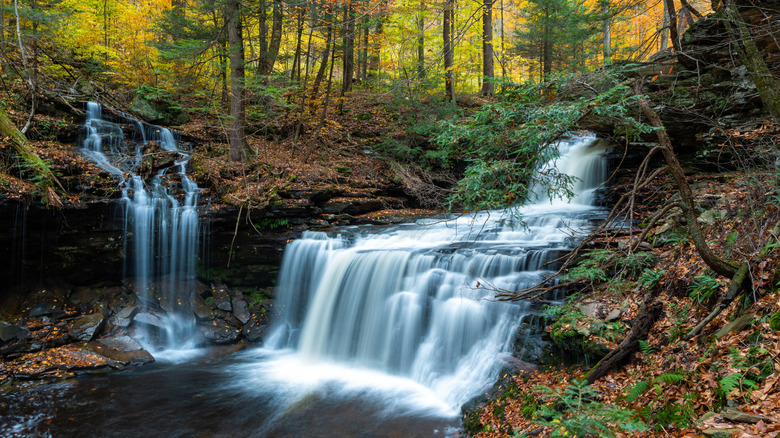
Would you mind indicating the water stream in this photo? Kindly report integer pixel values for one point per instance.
(160, 224)
(383, 331)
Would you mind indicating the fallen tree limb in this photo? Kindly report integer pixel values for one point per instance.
(648, 314)
(739, 283)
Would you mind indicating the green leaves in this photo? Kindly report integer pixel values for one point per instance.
(507, 142)
(574, 411)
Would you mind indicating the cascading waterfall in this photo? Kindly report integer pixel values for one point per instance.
(161, 229)
(413, 302)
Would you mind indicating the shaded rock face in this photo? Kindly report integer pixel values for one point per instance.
(69, 246)
(87, 327)
(159, 111)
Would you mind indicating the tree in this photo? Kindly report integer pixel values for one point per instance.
(449, 50)
(487, 48)
(558, 34)
(237, 131)
(767, 86)
(421, 40)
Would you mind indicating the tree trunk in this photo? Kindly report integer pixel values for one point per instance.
(687, 204)
(323, 64)
(296, 67)
(672, 13)
(449, 83)
(767, 86)
(421, 41)
(262, 30)
(376, 46)
(348, 39)
(276, 38)
(364, 49)
(488, 72)
(664, 43)
(237, 131)
(547, 47)
(606, 25)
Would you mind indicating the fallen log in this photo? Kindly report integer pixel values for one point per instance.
(648, 314)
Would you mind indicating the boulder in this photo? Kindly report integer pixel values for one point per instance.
(594, 310)
(220, 332)
(221, 296)
(155, 109)
(121, 343)
(87, 327)
(124, 317)
(254, 330)
(241, 310)
(199, 307)
(118, 358)
(149, 319)
(10, 332)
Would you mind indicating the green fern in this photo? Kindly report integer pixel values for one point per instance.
(636, 391)
(729, 383)
(645, 347)
(774, 321)
(670, 378)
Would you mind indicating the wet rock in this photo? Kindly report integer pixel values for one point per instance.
(120, 351)
(220, 332)
(149, 319)
(199, 307)
(614, 315)
(241, 310)
(10, 332)
(124, 317)
(46, 308)
(121, 343)
(87, 327)
(254, 330)
(594, 310)
(221, 296)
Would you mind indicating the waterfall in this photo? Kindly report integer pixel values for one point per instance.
(160, 221)
(414, 302)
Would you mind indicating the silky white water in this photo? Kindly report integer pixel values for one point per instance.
(161, 226)
(408, 311)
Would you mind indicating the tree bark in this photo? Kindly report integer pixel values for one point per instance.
(449, 82)
(276, 38)
(296, 67)
(237, 131)
(767, 86)
(376, 47)
(606, 29)
(323, 64)
(738, 284)
(348, 39)
(672, 12)
(421, 41)
(488, 72)
(649, 313)
(687, 204)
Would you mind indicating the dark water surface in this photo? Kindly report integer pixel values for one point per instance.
(215, 397)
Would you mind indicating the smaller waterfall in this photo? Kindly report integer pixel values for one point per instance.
(160, 221)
